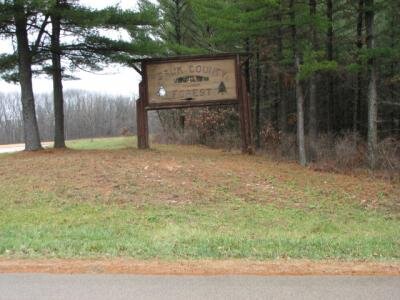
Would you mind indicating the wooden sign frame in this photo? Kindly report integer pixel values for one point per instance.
(242, 98)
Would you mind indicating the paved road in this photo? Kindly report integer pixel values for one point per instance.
(19, 147)
(11, 148)
(44, 287)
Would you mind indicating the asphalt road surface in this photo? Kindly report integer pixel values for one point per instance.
(39, 286)
(19, 147)
(11, 148)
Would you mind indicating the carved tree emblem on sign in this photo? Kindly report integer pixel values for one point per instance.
(221, 88)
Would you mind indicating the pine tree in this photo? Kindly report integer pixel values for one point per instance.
(88, 49)
(56, 71)
(91, 49)
(180, 29)
(372, 87)
(16, 17)
(299, 88)
(312, 125)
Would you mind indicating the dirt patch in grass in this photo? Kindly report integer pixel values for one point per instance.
(184, 174)
(203, 267)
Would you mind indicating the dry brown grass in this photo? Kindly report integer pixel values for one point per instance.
(185, 174)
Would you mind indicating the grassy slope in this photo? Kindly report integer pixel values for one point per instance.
(177, 202)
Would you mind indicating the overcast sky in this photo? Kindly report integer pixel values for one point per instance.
(114, 80)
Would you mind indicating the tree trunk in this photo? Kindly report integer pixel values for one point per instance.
(257, 98)
(300, 116)
(177, 21)
(357, 101)
(247, 64)
(58, 98)
(31, 129)
(372, 90)
(312, 125)
(178, 115)
(329, 51)
(393, 72)
(299, 90)
(282, 100)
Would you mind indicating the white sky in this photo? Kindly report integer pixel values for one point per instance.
(116, 80)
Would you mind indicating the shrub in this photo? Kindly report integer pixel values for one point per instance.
(389, 154)
(214, 127)
(219, 127)
(350, 151)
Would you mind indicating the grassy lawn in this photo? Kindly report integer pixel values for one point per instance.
(102, 143)
(105, 198)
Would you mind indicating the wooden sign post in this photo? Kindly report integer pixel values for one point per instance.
(194, 81)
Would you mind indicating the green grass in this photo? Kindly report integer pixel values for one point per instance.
(102, 143)
(48, 228)
(37, 223)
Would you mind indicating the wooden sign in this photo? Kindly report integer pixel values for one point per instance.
(183, 82)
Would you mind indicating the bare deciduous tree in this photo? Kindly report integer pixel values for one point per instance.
(87, 115)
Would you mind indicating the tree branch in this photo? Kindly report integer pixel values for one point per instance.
(40, 34)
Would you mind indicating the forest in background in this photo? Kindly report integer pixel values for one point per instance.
(87, 115)
(324, 75)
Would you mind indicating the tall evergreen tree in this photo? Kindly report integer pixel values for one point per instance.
(372, 86)
(88, 49)
(299, 88)
(180, 29)
(56, 71)
(312, 125)
(16, 17)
